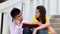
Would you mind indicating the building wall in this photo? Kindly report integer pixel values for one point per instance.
(52, 7)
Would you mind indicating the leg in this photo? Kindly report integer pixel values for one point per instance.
(42, 31)
(27, 30)
(52, 30)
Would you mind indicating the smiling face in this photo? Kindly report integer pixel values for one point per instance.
(37, 13)
(19, 17)
(40, 14)
(16, 14)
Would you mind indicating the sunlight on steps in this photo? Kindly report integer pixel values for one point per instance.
(55, 23)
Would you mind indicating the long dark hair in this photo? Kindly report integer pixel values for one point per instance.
(42, 11)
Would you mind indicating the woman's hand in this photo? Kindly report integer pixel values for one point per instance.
(35, 31)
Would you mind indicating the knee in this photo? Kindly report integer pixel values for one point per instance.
(53, 32)
(42, 31)
(26, 29)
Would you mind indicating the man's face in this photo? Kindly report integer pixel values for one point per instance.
(19, 17)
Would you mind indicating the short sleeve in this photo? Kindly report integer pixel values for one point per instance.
(47, 18)
(34, 19)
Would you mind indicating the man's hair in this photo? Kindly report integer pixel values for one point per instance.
(14, 12)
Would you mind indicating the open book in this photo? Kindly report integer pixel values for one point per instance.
(30, 25)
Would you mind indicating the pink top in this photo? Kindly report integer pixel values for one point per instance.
(16, 29)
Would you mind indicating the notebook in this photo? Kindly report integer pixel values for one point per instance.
(30, 25)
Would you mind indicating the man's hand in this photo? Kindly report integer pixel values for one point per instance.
(17, 22)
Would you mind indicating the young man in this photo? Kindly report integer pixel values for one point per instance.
(15, 26)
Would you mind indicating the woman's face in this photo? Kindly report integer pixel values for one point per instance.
(19, 17)
(37, 13)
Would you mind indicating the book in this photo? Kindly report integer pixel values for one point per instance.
(30, 25)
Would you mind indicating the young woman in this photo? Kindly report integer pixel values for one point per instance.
(42, 20)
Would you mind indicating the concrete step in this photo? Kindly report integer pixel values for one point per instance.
(55, 16)
(55, 25)
(57, 30)
(55, 20)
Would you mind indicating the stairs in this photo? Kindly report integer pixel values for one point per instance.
(55, 23)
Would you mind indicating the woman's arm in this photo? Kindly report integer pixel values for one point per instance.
(47, 24)
(34, 23)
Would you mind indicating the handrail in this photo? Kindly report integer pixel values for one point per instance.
(8, 4)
